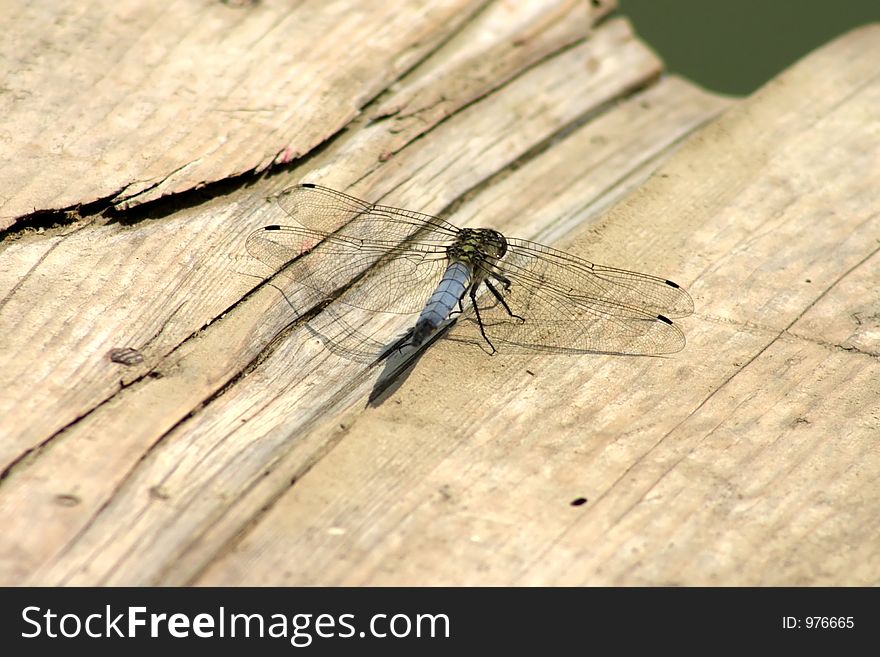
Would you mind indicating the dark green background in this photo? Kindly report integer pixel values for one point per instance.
(734, 46)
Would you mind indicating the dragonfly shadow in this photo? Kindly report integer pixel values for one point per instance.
(400, 359)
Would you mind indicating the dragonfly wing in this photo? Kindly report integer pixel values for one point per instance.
(370, 256)
(326, 210)
(380, 258)
(570, 305)
(374, 275)
(581, 278)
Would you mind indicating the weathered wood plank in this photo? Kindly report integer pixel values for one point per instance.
(134, 100)
(268, 414)
(52, 496)
(157, 303)
(750, 458)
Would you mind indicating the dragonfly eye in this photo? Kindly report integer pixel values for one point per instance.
(498, 243)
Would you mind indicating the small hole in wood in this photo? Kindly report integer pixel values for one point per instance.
(67, 500)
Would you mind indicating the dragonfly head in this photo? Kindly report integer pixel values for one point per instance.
(478, 245)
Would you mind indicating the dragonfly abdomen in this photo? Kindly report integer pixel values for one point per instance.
(449, 292)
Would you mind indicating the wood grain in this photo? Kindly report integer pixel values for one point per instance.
(156, 284)
(129, 101)
(750, 458)
(240, 451)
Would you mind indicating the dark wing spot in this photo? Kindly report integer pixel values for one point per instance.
(309, 185)
(272, 227)
(671, 284)
(664, 319)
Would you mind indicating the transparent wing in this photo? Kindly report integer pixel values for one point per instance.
(566, 304)
(570, 304)
(327, 211)
(344, 237)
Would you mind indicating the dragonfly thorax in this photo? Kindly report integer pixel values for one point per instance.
(476, 246)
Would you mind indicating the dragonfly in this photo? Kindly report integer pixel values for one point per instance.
(517, 295)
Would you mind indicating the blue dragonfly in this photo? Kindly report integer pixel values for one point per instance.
(517, 295)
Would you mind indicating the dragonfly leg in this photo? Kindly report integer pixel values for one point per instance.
(498, 296)
(473, 294)
(501, 278)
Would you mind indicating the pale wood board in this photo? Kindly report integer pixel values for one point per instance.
(131, 100)
(73, 437)
(155, 303)
(753, 457)
(284, 477)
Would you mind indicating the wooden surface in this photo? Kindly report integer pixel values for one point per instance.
(132, 100)
(240, 451)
